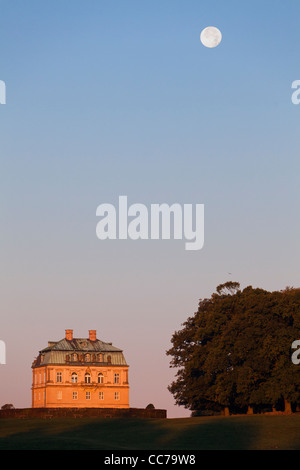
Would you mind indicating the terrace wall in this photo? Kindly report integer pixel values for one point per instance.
(49, 413)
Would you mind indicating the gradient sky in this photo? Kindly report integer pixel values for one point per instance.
(120, 98)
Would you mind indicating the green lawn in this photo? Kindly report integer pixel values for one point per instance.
(249, 432)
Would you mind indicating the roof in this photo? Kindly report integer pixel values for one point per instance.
(81, 344)
(60, 352)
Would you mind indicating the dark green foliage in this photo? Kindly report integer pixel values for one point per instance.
(235, 351)
(150, 407)
(8, 406)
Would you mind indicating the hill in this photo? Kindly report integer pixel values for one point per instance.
(212, 433)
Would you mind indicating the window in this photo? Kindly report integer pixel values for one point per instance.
(87, 378)
(109, 359)
(74, 357)
(59, 377)
(100, 357)
(74, 378)
(101, 395)
(100, 378)
(75, 396)
(117, 396)
(88, 395)
(117, 378)
(87, 358)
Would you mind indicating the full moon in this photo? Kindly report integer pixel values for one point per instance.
(211, 37)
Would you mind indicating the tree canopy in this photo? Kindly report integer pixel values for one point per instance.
(235, 351)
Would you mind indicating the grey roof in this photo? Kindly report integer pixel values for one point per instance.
(60, 352)
(81, 344)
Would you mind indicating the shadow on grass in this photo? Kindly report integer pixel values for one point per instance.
(236, 433)
(79, 434)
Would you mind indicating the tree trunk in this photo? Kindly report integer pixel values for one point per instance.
(250, 410)
(287, 407)
(226, 411)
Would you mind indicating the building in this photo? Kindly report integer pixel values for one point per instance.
(80, 373)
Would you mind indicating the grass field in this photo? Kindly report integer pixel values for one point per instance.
(249, 432)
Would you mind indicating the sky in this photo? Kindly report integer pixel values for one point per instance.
(115, 98)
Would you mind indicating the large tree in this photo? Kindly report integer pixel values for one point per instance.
(235, 351)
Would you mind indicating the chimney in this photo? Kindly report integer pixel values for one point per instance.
(69, 335)
(92, 335)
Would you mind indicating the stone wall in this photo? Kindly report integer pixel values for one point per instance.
(49, 413)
